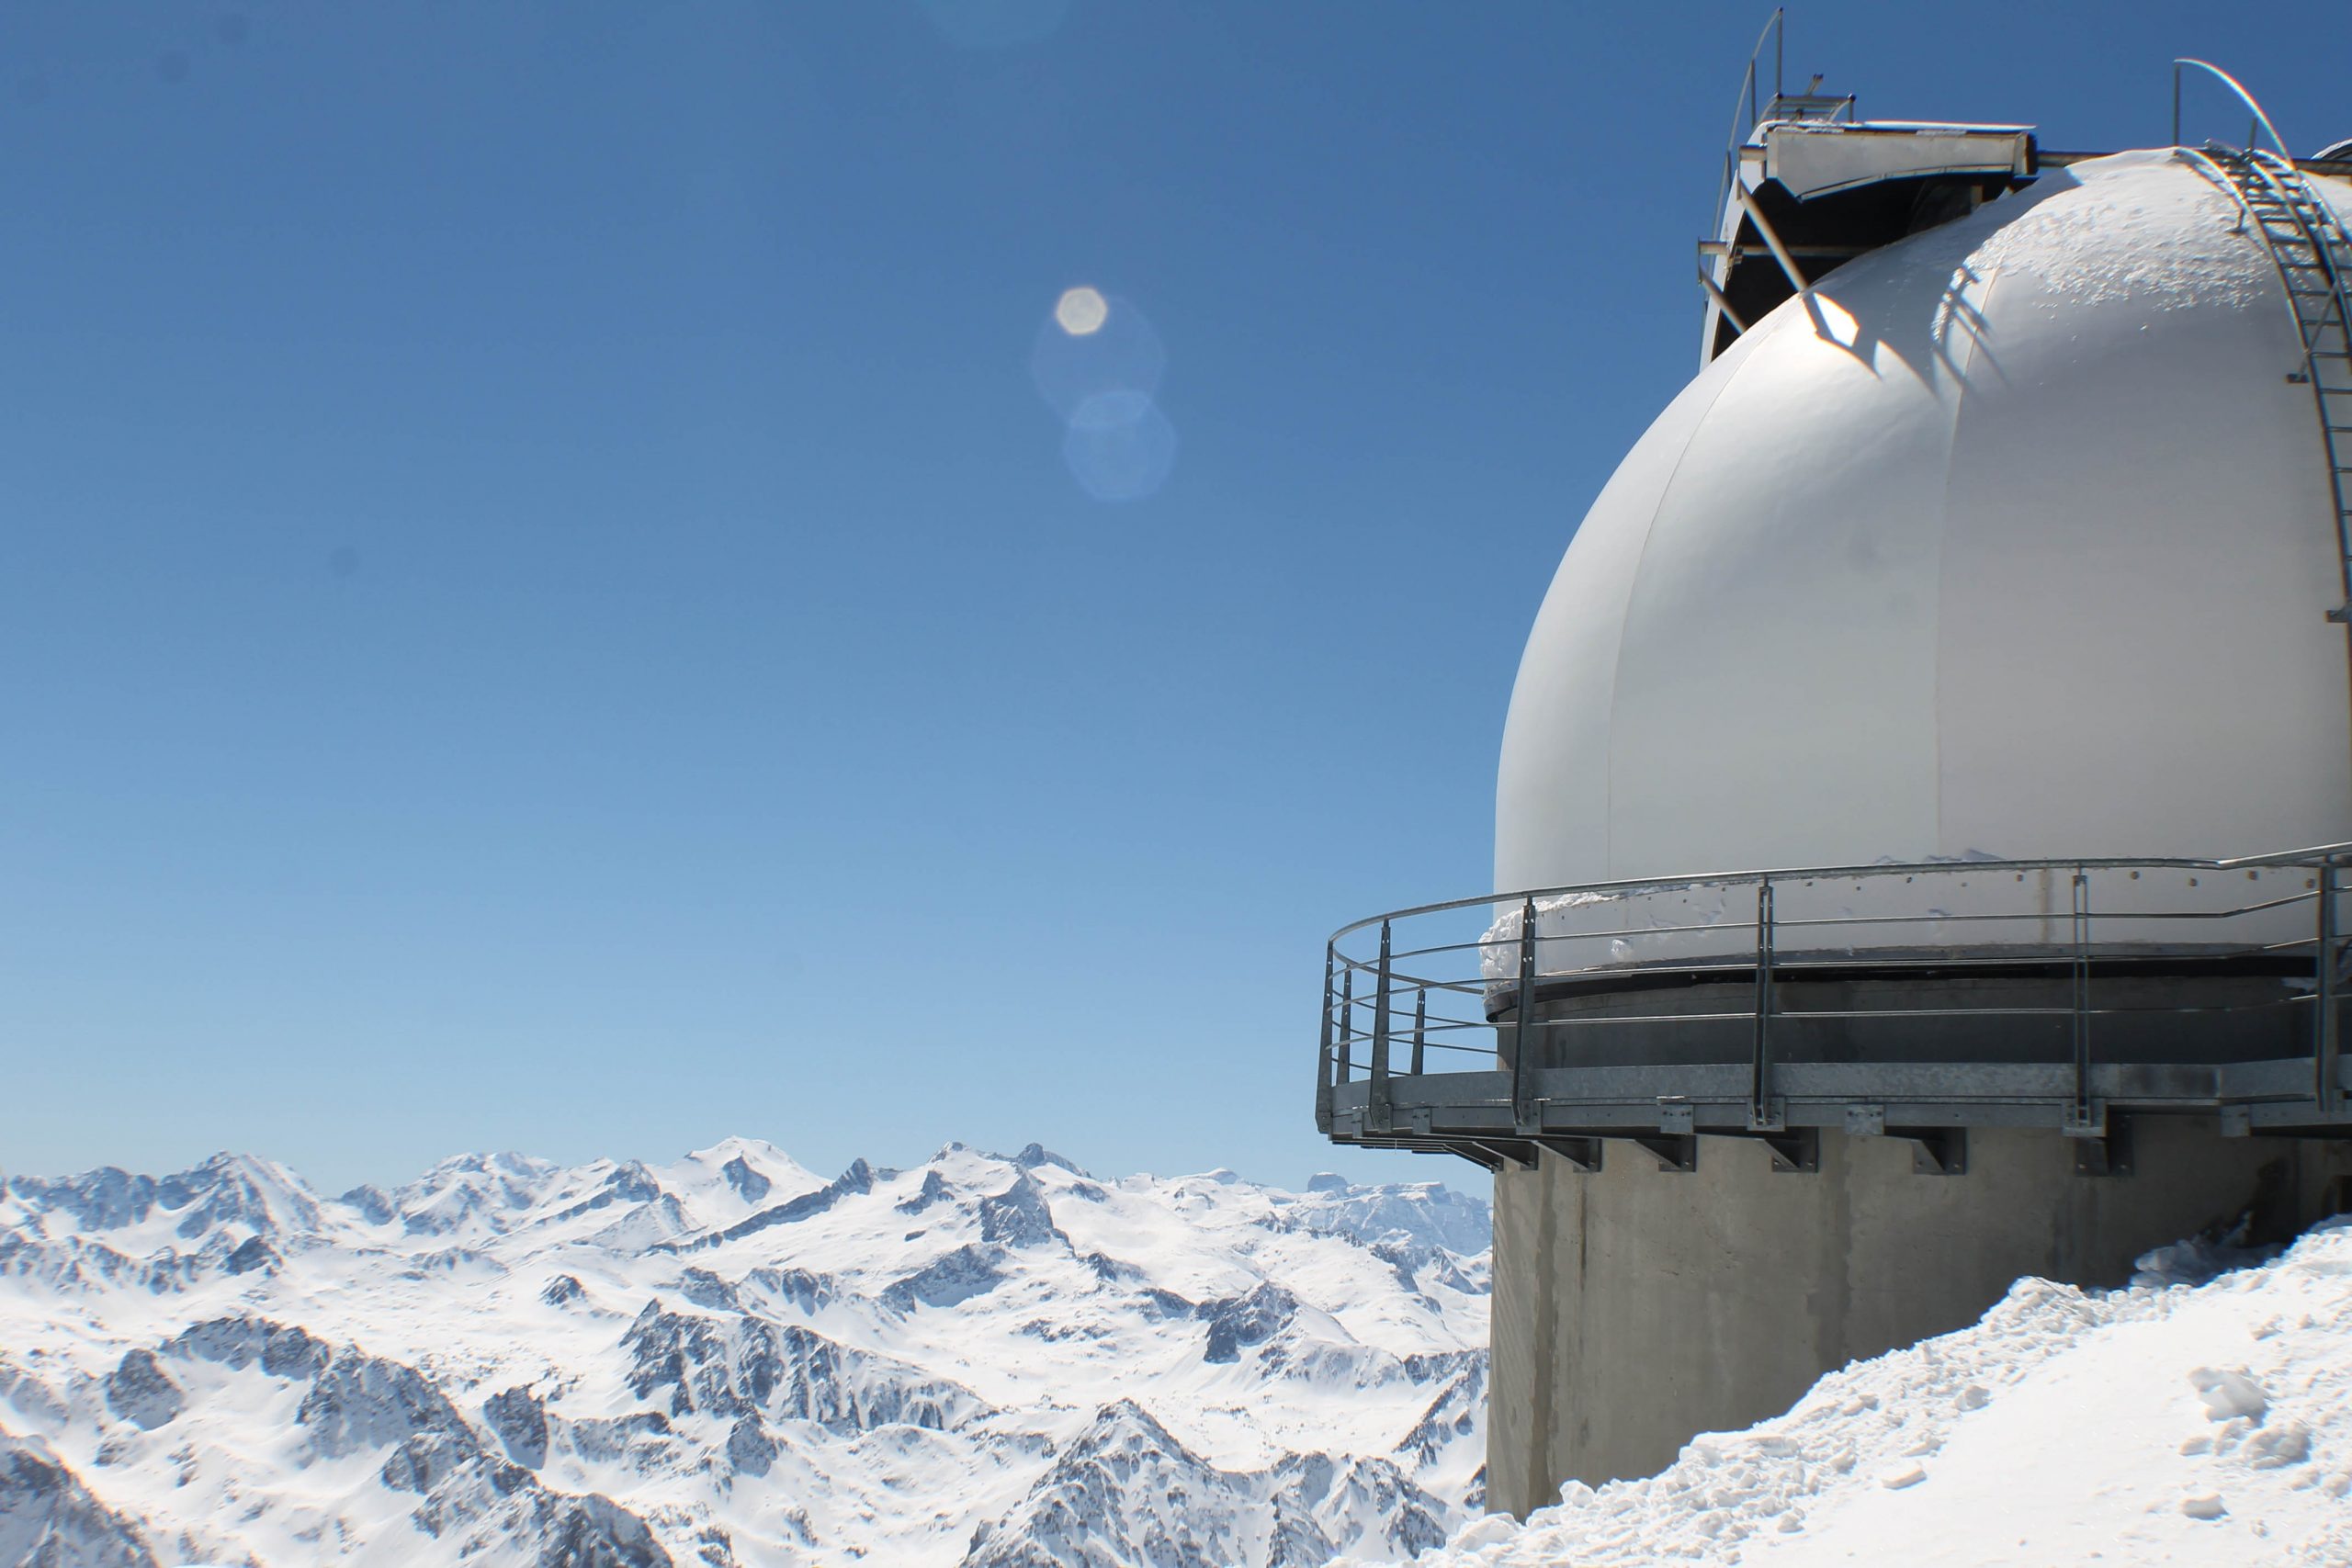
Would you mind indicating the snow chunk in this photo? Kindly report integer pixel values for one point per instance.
(2229, 1394)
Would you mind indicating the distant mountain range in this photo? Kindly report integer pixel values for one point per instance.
(985, 1360)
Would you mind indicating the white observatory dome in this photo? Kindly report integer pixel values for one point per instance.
(2013, 538)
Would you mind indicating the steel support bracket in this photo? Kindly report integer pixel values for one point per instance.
(2110, 1154)
(1935, 1151)
(1672, 1151)
(1865, 1121)
(1793, 1150)
(1675, 1114)
(2090, 1123)
(1514, 1152)
(1581, 1155)
(1774, 1117)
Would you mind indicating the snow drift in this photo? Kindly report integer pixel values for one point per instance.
(2174, 1421)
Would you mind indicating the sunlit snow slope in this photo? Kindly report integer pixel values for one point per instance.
(2182, 1422)
(982, 1360)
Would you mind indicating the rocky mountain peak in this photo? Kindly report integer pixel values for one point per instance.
(979, 1360)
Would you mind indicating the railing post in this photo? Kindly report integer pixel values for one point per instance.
(1523, 1025)
(2082, 996)
(1347, 1015)
(1377, 1102)
(1323, 1055)
(1759, 1096)
(2326, 1046)
(1420, 1027)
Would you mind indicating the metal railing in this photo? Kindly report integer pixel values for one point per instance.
(1977, 990)
(2308, 245)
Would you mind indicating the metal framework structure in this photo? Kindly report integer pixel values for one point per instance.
(1914, 1001)
(2308, 245)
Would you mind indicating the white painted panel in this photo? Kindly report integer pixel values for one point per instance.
(1552, 791)
(1776, 688)
(2136, 656)
(2014, 540)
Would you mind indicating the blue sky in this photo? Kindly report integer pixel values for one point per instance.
(543, 606)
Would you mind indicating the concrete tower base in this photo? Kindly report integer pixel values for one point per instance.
(1636, 1307)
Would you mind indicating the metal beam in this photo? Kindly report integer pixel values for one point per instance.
(2109, 1155)
(1935, 1151)
(1760, 1099)
(1579, 1154)
(1796, 277)
(1723, 301)
(1378, 1106)
(2325, 1036)
(1673, 1151)
(1797, 1150)
(1323, 1058)
(1523, 1020)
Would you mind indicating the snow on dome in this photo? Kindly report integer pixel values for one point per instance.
(2011, 537)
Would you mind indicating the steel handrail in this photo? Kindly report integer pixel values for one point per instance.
(2234, 85)
(2310, 859)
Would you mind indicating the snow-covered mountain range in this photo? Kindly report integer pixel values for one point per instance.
(988, 1361)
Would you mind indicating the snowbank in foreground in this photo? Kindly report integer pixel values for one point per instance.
(2201, 1423)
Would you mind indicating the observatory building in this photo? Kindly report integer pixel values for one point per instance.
(1926, 797)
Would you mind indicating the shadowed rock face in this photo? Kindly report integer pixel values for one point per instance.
(252, 1253)
(48, 1518)
(964, 1273)
(857, 1181)
(749, 1183)
(744, 1365)
(932, 1191)
(1127, 1479)
(1246, 1320)
(1019, 1216)
(521, 1423)
(227, 1189)
(101, 1199)
(798, 1384)
(141, 1392)
(238, 1342)
(748, 1448)
(356, 1402)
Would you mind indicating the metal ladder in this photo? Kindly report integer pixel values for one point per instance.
(2314, 256)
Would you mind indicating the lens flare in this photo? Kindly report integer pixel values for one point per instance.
(1082, 312)
(1119, 447)
(1091, 343)
(1097, 363)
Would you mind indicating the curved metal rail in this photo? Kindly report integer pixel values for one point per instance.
(1977, 993)
(2261, 120)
